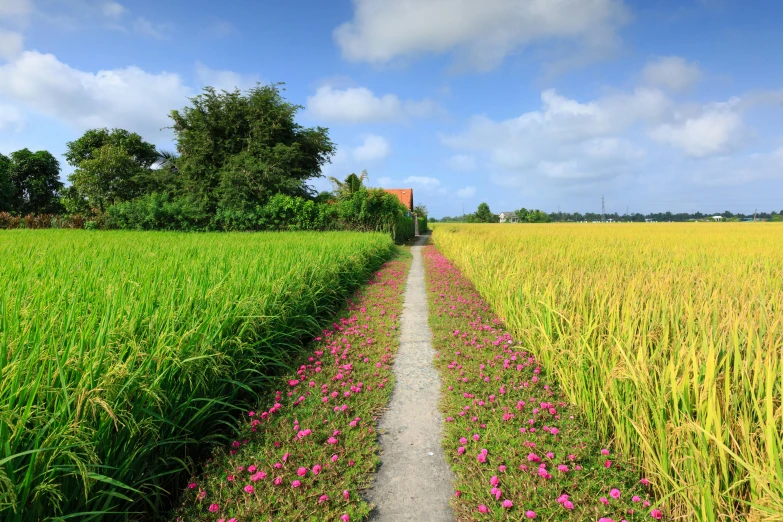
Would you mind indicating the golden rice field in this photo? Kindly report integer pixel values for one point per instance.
(669, 336)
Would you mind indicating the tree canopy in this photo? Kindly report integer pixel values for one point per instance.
(237, 150)
(35, 177)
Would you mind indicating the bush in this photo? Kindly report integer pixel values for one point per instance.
(157, 212)
(8, 221)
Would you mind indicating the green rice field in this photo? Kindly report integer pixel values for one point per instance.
(125, 355)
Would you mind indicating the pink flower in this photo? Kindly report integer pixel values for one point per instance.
(605, 519)
(530, 514)
(508, 504)
(332, 440)
(334, 458)
(645, 481)
(635, 498)
(346, 495)
(604, 452)
(295, 484)
(568, 504)
(614, 493)
(481, 457)
(278, 481)
(301, 472)
(201, 495)
(604, 500)
(323, 498)
(214, 508)
(554, 431)
(192, 485)
(482, 508)
(502, 469)
(656, 513)
(608, 464)
(345, 518)
(316, 469)
(248, 489)
(251, 469)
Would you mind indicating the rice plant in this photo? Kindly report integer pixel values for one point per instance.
(125, 356)
(668, 336)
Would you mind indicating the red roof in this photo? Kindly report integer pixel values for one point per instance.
(405, 196)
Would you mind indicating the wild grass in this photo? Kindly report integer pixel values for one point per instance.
(668, 336)
(125, 356)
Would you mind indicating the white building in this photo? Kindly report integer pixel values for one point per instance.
(717, 218)
(508, 217)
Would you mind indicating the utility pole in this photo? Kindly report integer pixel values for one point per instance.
(754, 214)
(603, 209)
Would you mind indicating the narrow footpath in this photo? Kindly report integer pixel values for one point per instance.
(414, 481)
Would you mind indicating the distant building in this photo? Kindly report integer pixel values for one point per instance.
(404, 195)
(508, 217)
(717, 218)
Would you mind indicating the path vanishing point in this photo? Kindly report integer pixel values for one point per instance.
(414, 481)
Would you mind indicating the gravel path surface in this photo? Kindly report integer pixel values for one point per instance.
(414, 481)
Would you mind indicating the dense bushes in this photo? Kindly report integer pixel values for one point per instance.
(370, 210)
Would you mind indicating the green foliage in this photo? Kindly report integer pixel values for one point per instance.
(352, 184)
(7, 190)
(158, 212)
(90, 144)
(128, 354)
(423, 224)
(109, 176)
(532, 216)
(36, 180)
(420, 210)
(238, 150)
(484, 215)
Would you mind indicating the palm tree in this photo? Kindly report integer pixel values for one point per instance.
(346, 189)
(167, 160)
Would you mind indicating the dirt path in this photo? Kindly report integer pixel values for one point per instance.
(414, 481)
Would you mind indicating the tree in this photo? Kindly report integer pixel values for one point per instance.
(7, 190)
(237, 150)
(420, 210)
(109, 176)
(352, 184)
(36, 180)
(88, 146)
(113, 166)
(484, 215)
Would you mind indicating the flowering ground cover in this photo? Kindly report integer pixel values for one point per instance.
(519, 450)
(308, 451)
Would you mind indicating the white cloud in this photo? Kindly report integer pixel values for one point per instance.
(741, 169)
(11, 118)
(374, 148)
(384, 181)
(463, 162)
(566, 139)
(113, 10)
(717, 129)
(467, 192)
(671, 72)
(15, 8)
(423, 181)
(360, 105)
(147, 28)
(129, 97)
(483, 32)
(224, 80)
(11, 44)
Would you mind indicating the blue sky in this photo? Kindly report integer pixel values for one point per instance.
(658, 105)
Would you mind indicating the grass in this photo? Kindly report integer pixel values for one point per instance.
(124, 356)
(518, 448)
(668, 337)
(307, 451)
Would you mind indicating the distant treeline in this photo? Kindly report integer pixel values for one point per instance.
(484, 215)
(242, 163)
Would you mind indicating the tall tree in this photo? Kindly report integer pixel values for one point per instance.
(237, 150)
(110, 175)
(7, 191)
(485, 215)
(113, 166)
(89, 145)
(36, 180)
